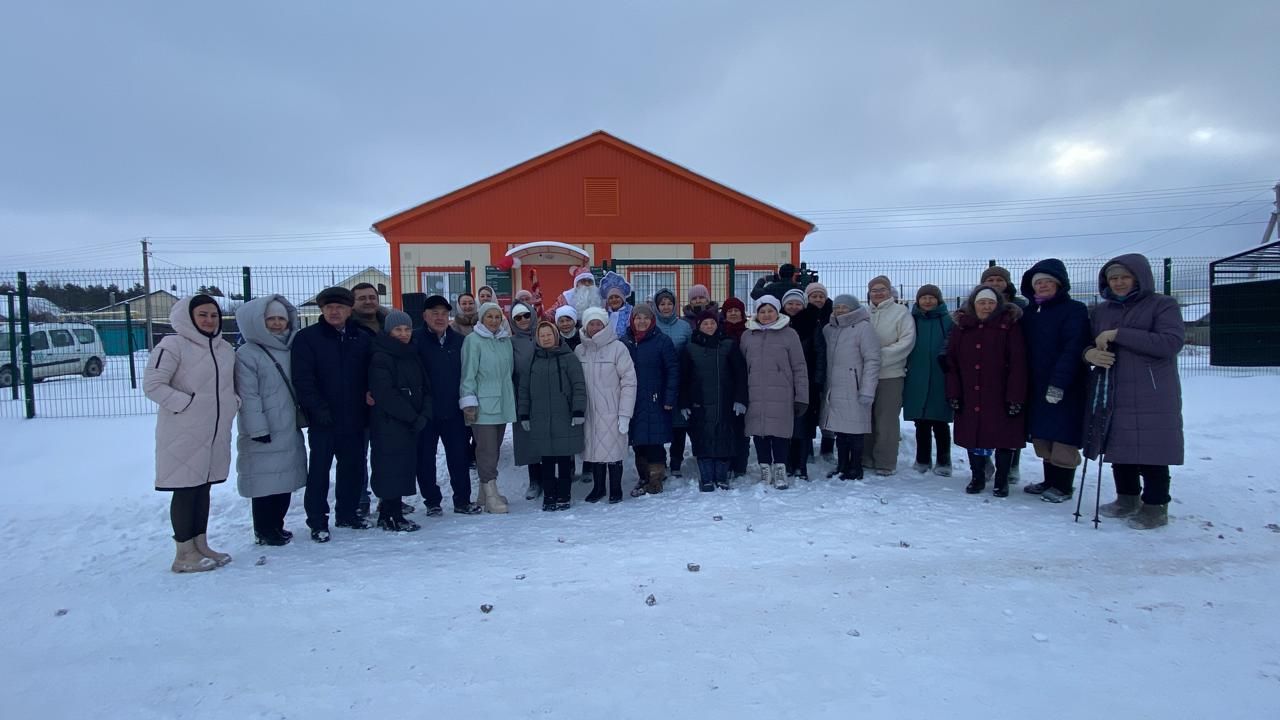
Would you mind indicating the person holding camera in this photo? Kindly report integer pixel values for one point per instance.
(778, 284)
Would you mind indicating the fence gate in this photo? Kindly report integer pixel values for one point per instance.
(1244, 302)
(678, 275)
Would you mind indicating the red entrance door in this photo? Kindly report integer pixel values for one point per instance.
(552, 280)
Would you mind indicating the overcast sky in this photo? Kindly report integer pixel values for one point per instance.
(311, 120)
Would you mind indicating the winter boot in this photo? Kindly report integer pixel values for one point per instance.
(766, 473)
(598, 477)
(534, 491)
(1123, 507)
(722, 475)
(1062, 481)
(491, 499)
(320, 535)
(780, 480)
(642, 479)
(202, 546)
(1002, 458)
(271, 537)
(657, 473)
(354, 523)
(564, 492)
(942, 470)
(978, 466)
(188, 559)
(1040, 487)
(615, 483)
(1150, 517)
(920, 467)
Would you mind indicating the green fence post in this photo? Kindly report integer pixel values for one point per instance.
(1168, 276)
(128, 339)
(733, 267)
(28, 382)
(466, 272)
(246, 278)
(13, 346)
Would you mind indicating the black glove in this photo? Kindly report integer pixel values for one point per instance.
(955, 405)
(419, 423)
(801, 408)
(1014, 409)
(262, 438)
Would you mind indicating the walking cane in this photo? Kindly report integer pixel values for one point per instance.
(1103, 394)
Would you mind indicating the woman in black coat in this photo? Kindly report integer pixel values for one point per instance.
(713, 391)
(401, 409)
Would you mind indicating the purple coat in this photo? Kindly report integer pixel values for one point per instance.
(1146, 396)
(987, 370)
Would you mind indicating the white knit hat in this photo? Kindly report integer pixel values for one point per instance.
(768, 300)
(987, 292)
(566, 311)
(594, 313)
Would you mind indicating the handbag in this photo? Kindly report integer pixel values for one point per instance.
(300, 415)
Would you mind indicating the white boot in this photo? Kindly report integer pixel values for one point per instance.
(188, 559)
(766, 473)
(202, 546)
(492, 500)
(780, 480)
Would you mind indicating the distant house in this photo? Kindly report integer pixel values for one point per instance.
(371, 275)
(1195, 323)
(160, 302)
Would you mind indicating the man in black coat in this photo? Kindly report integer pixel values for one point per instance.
(330, 376)
(440, 347)
(777, 285)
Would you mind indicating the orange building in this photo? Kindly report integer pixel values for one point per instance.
(593, 200)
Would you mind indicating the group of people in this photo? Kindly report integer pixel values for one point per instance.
(596, 377)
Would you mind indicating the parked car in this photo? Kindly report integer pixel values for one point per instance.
(56, 349)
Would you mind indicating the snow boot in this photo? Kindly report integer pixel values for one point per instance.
(273, 538)
(188, 559)
(321, 535)
(396, 522)
(978, 465)
(642, 479)
(355, 523)
(942, 470)
(434, 511)
(1123, 507)
(471, 508)
(597, 476)
(202, 546)
(615, 483)
(766, 473)
(491, 499)
(534, 491)
(921, 468)
(657, 473)
(1150, 517)
(780, 476)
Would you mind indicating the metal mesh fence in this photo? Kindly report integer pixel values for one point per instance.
(89, 331)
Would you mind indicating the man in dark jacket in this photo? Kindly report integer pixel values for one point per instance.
(441, 349)
(1057, 331)
(330, 376)
(367, 311)
(777, 285)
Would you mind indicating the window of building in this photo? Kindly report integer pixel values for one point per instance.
(62, 338)
(448, 283)
(645, 283)
(743, 282)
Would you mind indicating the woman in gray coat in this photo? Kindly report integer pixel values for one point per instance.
(1138, 334)
(777, 387)
(272, 459)
(852, 372)
(552, 406)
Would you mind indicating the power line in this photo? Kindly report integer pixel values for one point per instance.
(1196, 234)
(1023, 239)
(1199, 219)
(1023, 219)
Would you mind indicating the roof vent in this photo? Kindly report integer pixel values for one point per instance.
(600, 197)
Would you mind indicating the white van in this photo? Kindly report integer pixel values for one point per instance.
(56, 349)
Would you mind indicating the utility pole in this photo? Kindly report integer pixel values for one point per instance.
(1275, 215)
(146, 289)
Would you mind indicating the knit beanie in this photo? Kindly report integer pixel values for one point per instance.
(793, 294)
(734, 303)
(847, 300)
(996, 270)
(698, 291)
(1115, 269)
(395, 319)
(768, 300)
(930, 290)
(275, 308)
(1044, 276)
(644, 309)
(880, 280)
(809, 290)
(566, 311)
(986, 292)
(594, 313)
(707, 315)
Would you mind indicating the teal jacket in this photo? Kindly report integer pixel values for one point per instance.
(487, 363)
(924, 397)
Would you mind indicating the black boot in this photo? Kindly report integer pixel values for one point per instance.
(1004, 459)
(564, 488)
(597, 476)
(978, 465)
(615, 482)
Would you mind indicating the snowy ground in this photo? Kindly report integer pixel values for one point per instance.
(899, 597)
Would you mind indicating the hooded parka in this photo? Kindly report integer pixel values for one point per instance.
(924, 395)
(987, 371)
(852, 370)
(523, 449)
(610, 377)
(1057, 333)
(777, 377)
(1146, 415)
(555, 393)
(401, 409)
(657, 386)
(487, 366)
(191, 376)
(266, 405)
(713, 376)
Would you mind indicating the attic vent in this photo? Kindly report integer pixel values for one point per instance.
(600, 196)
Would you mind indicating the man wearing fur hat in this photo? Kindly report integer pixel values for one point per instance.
(583, 296)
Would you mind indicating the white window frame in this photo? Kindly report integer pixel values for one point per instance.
(453, 282)
(645, 283)
(742, 286)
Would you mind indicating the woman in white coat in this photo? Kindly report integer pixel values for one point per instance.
(897, 330)
(611, 398)
(191, 376)
(271, 458)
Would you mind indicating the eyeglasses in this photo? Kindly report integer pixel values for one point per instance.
(521, 316)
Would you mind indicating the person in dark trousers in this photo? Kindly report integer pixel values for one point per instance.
(440, 347)
(611, 399)
(733, 326)
(552, 408)
(657, 391)
(924, 398)
(672, 324)
(1138, 334)
(191, 376)
(999, 279)
(331, 377)
(1057, 332)
(778, 284)
(851, 365)
(401, 410)
(713, 391)
(777, 388)
(987, 386)
(271, 461)
(808, 323)
(524, 451)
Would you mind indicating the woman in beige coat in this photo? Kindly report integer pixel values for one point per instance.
(191, 376)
